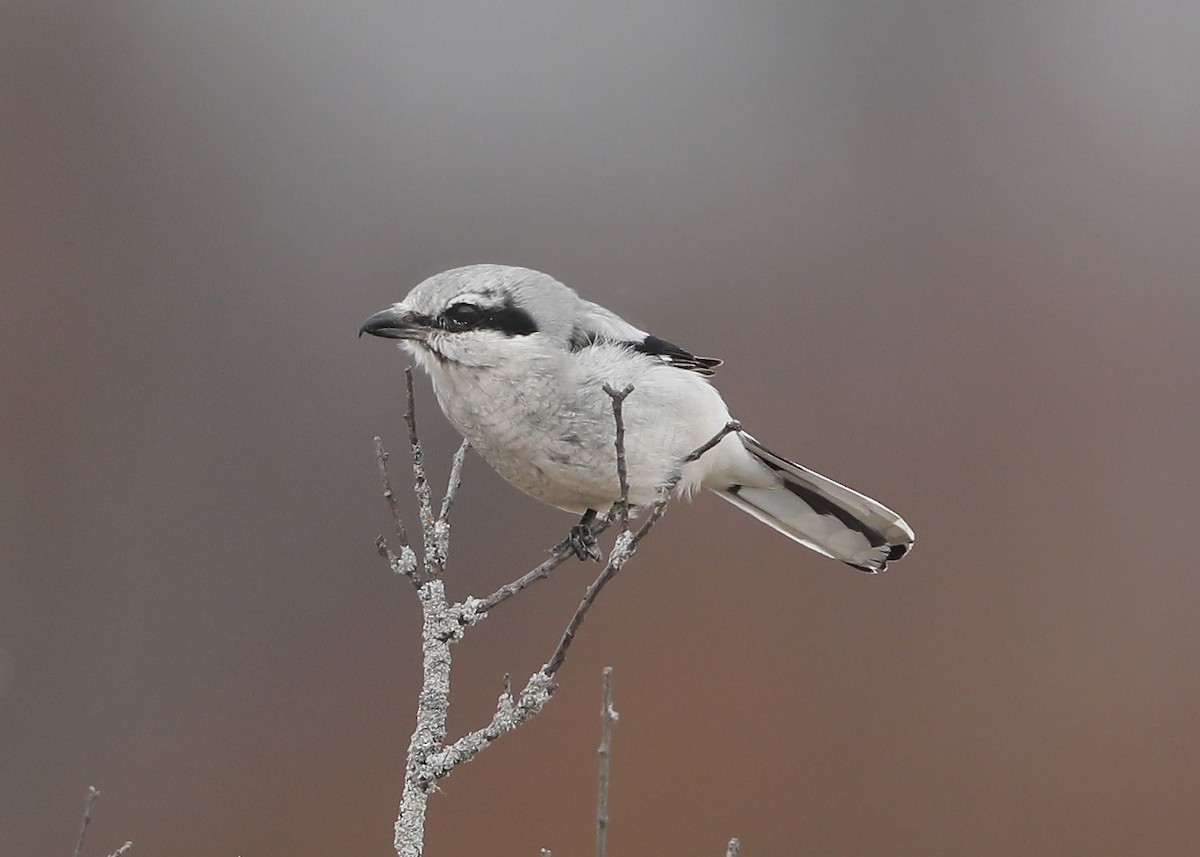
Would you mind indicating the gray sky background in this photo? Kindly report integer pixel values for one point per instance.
(951, 256)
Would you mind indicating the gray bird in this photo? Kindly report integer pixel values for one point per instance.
(519, 362)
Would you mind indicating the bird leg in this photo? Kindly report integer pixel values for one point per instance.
(582, 540)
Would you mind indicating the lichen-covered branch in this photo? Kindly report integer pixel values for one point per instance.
(440, 628)
(455, 482)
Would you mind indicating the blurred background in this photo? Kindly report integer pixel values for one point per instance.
(950, 254)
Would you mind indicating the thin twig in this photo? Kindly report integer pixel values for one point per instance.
(607, 717)
(122, 849)
(406, 562)
(508, 590)
(589, 598)
(455, 481)
(382, 457)
(625, 544)
(562, 553)
(731, 426)
(93, 793)
(618, 401)
(624, 548)
(435, 562)
(735, 845)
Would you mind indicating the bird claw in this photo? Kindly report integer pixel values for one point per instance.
(582, 542)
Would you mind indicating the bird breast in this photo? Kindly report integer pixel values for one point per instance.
(545, 423)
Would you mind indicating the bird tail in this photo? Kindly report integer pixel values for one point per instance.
(822, 514)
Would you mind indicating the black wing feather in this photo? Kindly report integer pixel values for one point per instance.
(668, 352)
(673, 355)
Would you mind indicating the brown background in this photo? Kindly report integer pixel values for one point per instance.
(949, 251)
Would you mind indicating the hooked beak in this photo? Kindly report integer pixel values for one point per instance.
(395, 322)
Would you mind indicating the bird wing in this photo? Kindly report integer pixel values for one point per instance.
(597, 324)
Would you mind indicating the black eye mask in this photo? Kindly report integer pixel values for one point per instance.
(508, 319)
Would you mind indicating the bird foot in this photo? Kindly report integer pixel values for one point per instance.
(582, 541)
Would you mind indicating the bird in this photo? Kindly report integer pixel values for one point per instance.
(519, 364)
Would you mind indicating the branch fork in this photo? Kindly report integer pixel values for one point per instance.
(430, 757)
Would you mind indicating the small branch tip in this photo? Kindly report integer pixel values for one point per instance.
(607, 717)
(728, 428)
(93, 793)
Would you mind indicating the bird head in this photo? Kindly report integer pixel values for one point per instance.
(478, 315)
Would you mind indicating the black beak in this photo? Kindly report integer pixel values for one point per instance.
(392, 323)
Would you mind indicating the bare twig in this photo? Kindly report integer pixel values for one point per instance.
(626, 545)
(616, 559)
(618, 402)
(731, 426)
(435, 559)
(406, 562)
(624, 548)
(388, 494)
(508, 590)
(608, 716)
(735, 846)
(93, 793)
(561, 554)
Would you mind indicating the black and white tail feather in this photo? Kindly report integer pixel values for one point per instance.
(821, 514)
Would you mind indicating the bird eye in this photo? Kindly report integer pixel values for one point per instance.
(460, 316)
